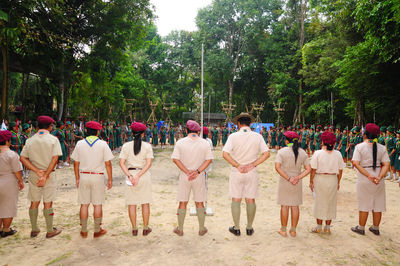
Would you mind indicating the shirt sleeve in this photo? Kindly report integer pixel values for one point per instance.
(279, 158)
(124, 152)
(75, 153)
(149, 154)
(356, 154)
(263, 146)
(25, 149)
(176, 153)
(340, 160)
(209, 154)
(16, 165)
(57, 149)
(385, 157)
(314, 161)
(228, 145)
(107, 153)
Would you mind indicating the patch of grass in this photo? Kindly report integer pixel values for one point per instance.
(67, 237)
(58, 259)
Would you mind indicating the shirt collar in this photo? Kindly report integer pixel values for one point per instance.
(245, 129)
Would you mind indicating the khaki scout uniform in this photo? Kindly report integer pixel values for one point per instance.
(91, 153)
(244, 146)
(40, 149)
(192, 153)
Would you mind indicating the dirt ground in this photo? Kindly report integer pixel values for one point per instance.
(218, 247)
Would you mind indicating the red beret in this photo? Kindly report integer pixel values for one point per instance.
(291, 135)
(372, 129)
(328, 138)
(5, 135)
(193, 126)
(205, 131)
(46, 120)
(137, 127)
(93, 125)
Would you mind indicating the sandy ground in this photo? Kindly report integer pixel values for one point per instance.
(218, 247)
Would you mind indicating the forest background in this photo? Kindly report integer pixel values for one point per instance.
(317, 60)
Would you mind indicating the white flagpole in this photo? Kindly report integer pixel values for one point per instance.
(202, 89)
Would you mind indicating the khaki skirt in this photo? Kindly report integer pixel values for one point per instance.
(141, 193)
(370, 197)
(325, 187)
(8, 196)
(288, 194)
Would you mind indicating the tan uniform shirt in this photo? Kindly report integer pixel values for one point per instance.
(139, 160)
(327, 163)
(41, 148)
(245, 145)
(92, 159)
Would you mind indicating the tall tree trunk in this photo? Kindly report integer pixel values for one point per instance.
(24, 84)
(5, 79)
(230, 83)
(62, 93)
(303, 10)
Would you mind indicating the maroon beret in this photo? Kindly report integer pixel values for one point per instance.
(205, 131)
(193, 126)
(5, 135)
(137, 127)
(93, 125)
(46, 120)
(291, 135)
(328, 138)
(372, 129)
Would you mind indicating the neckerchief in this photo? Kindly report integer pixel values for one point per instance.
(19, 140)
(91, 140)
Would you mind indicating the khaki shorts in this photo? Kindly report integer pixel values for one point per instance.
(91, 189)
(243, 185)
(198, 186)
(47, 192)
(141, 193)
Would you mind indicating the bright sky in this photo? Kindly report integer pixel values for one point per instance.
(177, 14)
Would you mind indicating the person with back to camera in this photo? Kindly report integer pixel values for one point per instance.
(327, 168)
(288, 164)
(372, 163)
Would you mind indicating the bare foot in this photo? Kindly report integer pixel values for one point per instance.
(292, 233)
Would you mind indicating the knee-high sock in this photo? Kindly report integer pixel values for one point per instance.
(97, 224)
(181, 218)
(201, 216)
(84, 225)
(33, 215)
(251, 213)
(48, 216)
(235, 208)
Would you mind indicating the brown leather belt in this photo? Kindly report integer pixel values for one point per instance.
(92, 173)
(132, 168)
(326, 173)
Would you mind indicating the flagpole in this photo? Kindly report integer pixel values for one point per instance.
(202, 89)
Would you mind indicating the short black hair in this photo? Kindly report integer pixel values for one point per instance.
(191, 131)
(91, 132)
(44, 126)
(2, 143)
(244, 121)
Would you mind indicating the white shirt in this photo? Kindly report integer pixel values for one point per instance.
(245, 146)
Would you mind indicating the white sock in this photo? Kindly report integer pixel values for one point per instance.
(394, 176)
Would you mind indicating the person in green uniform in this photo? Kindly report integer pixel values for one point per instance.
(264, 133)
(154, 134)
(381, 139)
(68, 135)
(15, 138)
(391, 148)
(273, 140)
(317, 138)
(338, 135)
(148, 133)
(304, 137)
(118, 137)
(214, 136)
(77, 134)
(396, 157)
(225, 134)
(163, 137)
(26, 131)
(343, 147)
(172, 136)
(279, 138)
(312, 136)
(59, 133)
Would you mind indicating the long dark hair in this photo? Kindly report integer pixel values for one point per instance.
(374, 148)
(295, 148)
(137, 141)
